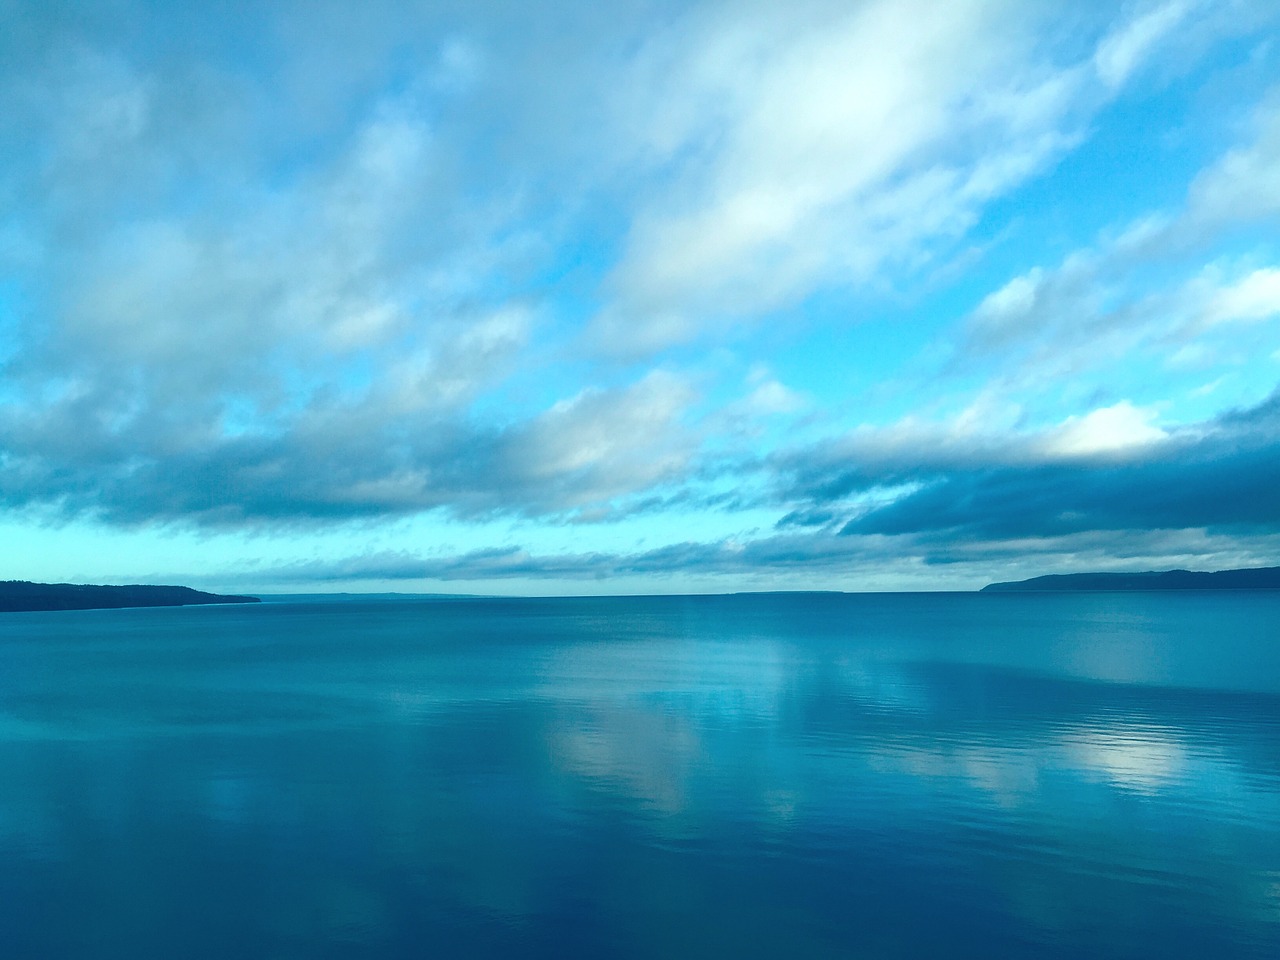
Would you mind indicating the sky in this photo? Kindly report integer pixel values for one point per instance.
(637, 297)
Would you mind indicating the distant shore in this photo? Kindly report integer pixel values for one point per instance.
(1254, 578)
(23, 596)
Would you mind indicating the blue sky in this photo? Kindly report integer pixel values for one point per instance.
(637, 297)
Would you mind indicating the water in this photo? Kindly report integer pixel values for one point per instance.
(760, 776)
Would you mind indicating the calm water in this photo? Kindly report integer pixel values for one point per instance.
(804, 776)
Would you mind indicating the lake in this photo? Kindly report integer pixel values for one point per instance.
(794, 775)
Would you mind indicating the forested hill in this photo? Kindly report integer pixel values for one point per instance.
(1256, 578)
(18, 595)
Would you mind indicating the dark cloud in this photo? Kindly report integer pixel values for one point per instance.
(803, 553)
(1224, 476)
(344, 462)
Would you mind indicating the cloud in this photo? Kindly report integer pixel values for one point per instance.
(890, 461)
(1096, 310)
(375, 457)
(1125, 47)
(1119, 429)
(235, 313)
(1222, 475)
(598, 445)
(1242, 186)
(840, 146)
(833, 151)
(1142, 289)
(1255, 296)
(803, 554)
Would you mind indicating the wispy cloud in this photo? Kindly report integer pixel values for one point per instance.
(824, 147)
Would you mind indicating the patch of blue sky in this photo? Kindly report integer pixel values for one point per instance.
(54, 550)
(14, 303)
(1139, 156)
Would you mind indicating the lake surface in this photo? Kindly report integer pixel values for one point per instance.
(873, 776)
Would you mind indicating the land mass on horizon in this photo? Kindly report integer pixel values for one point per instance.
(22, 595)
(1252, 578)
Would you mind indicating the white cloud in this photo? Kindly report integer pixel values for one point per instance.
(838, 146)
(601, 444)
(450, 370)
(821, 146)
(347, 285)
(1105, 304)
(1205, 389)
(1118, 429)
(771, 398)
(1124, 49)
(1010, 307)
(1253, 297)
(1242, 186)
(1096, 309)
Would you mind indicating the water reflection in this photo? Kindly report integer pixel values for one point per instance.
(749, 777)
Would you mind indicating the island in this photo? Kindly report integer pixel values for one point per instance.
(1253, 578)
(21, 595)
